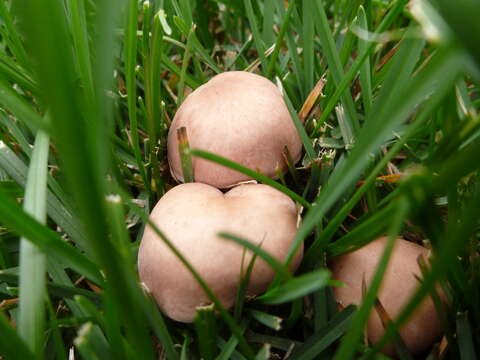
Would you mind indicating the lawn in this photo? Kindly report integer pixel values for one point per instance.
(384, 99)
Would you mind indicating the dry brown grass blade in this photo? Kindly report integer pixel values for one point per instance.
(312, 99)
(387, 56)
(364, 292)
(8, 304)
(291, 165)
(185, 156)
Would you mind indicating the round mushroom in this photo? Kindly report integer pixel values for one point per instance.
(191, 215)
(240, 116)
(398, 285)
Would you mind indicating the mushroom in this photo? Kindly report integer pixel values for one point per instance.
(240, 116)
(191, 215)
(398, 285)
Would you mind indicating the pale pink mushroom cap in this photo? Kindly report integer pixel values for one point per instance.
(191, 215)
(399, 284)
(240, 116)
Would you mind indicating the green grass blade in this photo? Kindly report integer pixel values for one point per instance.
(89, 345)
(264, 353)
(11, 345)
(56, 210)
(189, 80)
(279, 268)
(465, 338)
(253, 174)
(365, 72)
(20, 108)
(196, 45)
(206, 329)
(152, 97)
(13, 37)
(335, 65)
(271, 321)
(120, 235)
(362, 234)
(321, 340)
(298, 69)
(47, 240)
(159, 327)
(54, 288)
(184, 355)
(186, 11)
(81, 44)
(461, 17)
(60, 348)
(268, 20)
(279, 40)
(131, 83)
(31, 323)
(352, 72)
(257, 36)
(13, 74)
(307, 143)
(228, 348)
(308, 33)
(243, 285)
(296, 287)
(186, 61)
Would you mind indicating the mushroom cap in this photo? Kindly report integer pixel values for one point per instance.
(240, 116)
(191, 215)
(398, 285)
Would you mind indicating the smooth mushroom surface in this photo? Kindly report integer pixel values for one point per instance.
(191, 215)
(240, 116)
(398, 285)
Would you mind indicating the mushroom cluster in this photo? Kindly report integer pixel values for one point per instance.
(240, 116)
(399, 283)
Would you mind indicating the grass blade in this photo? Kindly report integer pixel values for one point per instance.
(257, 37)
(130, 78)
(276, 265)
(273, 322)
(48, 241)
(365, 73)
(56, 210)
(308, 32)
(280, 37)
(253, 174)
(460, 16)
(335, 65)
(20, 108)
(11, 345)
(296, 287)
(264, 353)
(321, 340)
(352, 72)
(12, 36)
(465, 339)
(206, 328)
(81, 45)
(31, 323)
